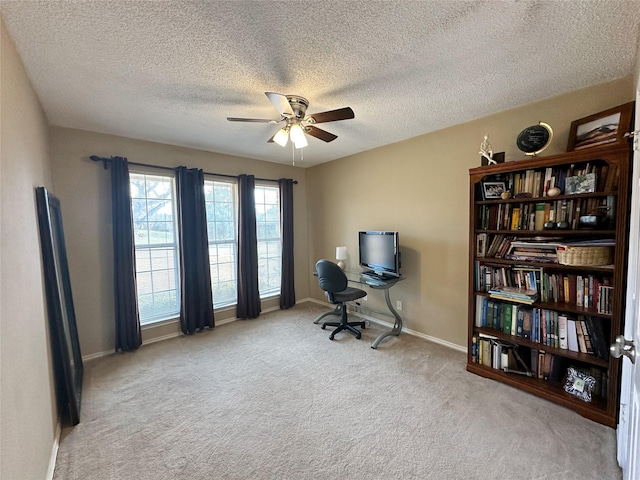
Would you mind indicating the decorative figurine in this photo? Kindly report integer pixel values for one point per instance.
(487, 151)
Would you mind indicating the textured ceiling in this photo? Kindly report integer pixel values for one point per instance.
(172, 71)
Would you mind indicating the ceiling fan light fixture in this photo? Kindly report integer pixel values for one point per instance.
(281, 137)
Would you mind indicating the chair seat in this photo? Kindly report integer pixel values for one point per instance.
(349, 294)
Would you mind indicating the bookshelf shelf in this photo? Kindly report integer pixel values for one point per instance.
(550, 233)
(560, 307)
(575, 311)
(538, 199)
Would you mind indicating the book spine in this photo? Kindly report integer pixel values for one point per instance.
(562, 325)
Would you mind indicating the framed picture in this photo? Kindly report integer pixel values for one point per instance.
(607, 127)
(65, 344)
(585, 183)
(492, 190)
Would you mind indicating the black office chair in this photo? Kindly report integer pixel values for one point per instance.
(334, 283)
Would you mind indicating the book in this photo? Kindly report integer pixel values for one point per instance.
(507, 308)
(598, 341)
(572, 336)
(520, 324)
(539, 216)
(555, 372)
(486, 351)
(587, 337)
(546, 367)
(534, 361)
(526, 323)
(474, 349)
(582, 345)
(562, 330)
(479, 310)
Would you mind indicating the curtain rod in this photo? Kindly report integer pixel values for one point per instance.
(95, 158)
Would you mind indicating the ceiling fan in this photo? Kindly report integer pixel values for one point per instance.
(292, 109)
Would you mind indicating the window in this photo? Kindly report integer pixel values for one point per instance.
(269, 240)
(156, 243)
(220, 200)
(156, 246)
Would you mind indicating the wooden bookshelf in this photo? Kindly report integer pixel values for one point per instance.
(491, 221)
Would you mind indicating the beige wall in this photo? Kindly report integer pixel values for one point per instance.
(84, 191)
(28, 415)
(419, 187)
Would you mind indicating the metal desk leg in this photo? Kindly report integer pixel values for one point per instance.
(397, 326)
(337, 311)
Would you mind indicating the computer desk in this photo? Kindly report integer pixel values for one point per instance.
(379, 284)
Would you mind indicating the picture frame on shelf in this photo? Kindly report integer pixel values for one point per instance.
(606, 127)
(585, 183)
(492, 190)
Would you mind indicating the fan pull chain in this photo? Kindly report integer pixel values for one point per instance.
(293, 155)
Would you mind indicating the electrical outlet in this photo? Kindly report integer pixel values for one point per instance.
(365, 298)
(398, 305)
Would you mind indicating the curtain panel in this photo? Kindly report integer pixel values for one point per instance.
(196, 302)
(248, 292)
(127, 317)
(287, 287)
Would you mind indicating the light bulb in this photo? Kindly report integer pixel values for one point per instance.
(296, 133)
(301, 143)
(281, 137)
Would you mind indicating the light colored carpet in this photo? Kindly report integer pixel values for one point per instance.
(274, 398)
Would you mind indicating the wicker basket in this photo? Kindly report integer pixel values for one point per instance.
(573, 255)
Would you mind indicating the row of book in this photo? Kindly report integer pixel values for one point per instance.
(563, 214)
(514, 294)
(580, 333)
(531, 362)
(538, 182)
(588, 291)
(514, 248)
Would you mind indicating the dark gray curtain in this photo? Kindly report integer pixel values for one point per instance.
(287, 289)
(196, 303)
(128, 335)
(248, 293)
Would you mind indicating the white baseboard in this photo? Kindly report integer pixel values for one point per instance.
(406, 330)
(93, 356)
(54, 452)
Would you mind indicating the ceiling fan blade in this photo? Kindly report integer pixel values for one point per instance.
(333, 115)
(280, 102)
(321, 134)
(253, 120)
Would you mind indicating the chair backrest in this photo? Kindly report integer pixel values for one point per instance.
(330, 277)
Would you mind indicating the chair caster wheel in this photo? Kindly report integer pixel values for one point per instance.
(331, 337)
(323, 327)
(358, 336)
